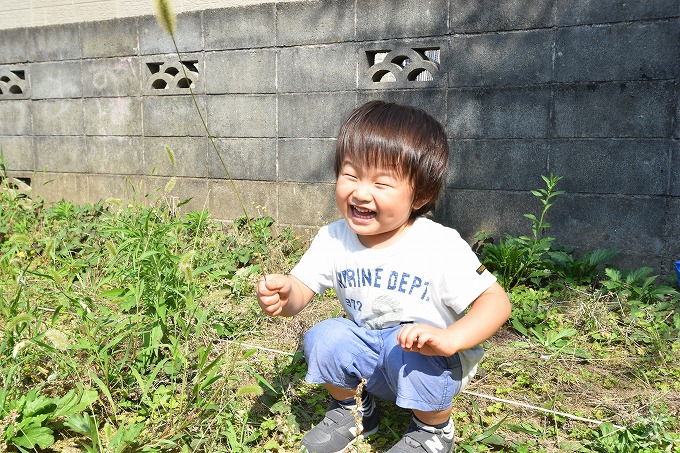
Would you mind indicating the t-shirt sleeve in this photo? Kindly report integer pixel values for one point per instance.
(315, 268)
(466, 278)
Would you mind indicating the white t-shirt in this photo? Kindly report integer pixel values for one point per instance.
(429, 275)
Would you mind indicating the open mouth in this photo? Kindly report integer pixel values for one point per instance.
(361, 213)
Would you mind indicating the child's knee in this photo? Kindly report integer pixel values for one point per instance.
(325, 336)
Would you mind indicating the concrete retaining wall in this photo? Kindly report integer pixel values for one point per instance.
(587, 89)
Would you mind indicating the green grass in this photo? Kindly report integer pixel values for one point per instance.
(127, 328)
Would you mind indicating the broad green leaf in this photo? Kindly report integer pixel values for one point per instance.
(82, 424)
(66, 403)
(125, 435)
(31, 436)
(249, 390)
(39, 405)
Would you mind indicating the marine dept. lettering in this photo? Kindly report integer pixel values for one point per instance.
(402, 282)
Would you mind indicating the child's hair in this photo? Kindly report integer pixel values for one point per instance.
(404, 138)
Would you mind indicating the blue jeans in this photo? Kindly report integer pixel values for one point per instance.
(340, 353)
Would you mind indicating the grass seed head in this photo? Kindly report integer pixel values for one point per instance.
(165, 16)
(58, 339)
(171, 155)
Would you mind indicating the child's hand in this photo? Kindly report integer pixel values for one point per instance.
(484, 317)
(426, 339)
(272, 293)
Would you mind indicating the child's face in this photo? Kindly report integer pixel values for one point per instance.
(376, 203)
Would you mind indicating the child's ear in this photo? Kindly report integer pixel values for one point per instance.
(417, 204)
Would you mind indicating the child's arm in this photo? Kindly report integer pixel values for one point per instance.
(282, 295)
(486, 315)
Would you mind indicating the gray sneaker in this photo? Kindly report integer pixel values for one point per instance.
(420, 438)
(338, 429)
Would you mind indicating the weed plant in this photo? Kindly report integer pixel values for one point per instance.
(135, 328)
(110, 318)
(573, 313)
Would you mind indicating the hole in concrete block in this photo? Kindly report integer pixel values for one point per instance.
(173, 71)
(430, 53)
(15, 89)
(21, 184)
(159, 84)
(154, 67)
(184, 83)
(383, 76)
(20, 73)
(401, 60)
(376, 56)
(420, 75)
(191, 65)
(4, 79)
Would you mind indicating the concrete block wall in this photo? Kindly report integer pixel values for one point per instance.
(587, 89)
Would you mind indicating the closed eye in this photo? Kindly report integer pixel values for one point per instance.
(385, 182)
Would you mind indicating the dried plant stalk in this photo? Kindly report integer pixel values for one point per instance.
(357, 412)
(167, 20)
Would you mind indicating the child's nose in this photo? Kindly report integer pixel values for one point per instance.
(362, 192)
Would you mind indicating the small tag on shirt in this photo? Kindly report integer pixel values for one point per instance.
(480, 269)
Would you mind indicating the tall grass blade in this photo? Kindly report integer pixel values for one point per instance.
(146, 382)
(104, 389)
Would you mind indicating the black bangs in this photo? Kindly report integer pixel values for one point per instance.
(401, 138)
(376, 150)
(382, 135)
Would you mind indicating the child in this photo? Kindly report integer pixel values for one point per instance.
(418, 302)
